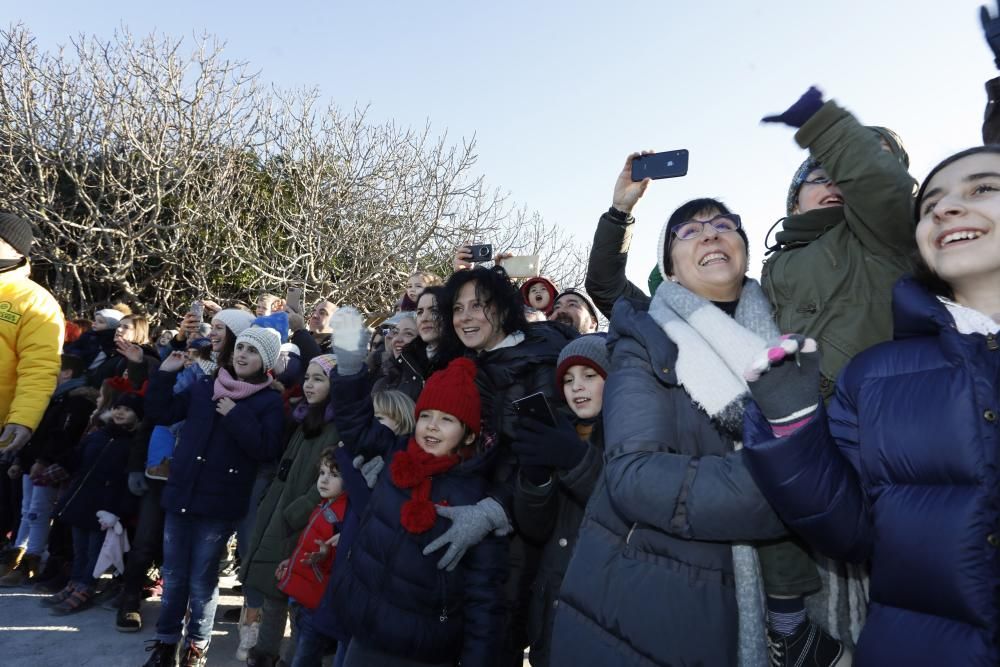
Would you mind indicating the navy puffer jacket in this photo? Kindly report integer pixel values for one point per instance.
(651, 581)
(903, 471)
(216, 458)
(393, 596)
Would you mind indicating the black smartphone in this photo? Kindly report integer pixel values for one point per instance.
(535, 406)
(482, 252)
(668, 164)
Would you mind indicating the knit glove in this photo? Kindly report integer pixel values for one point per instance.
(469, 525)
(350, 340)
(538, 444)
(800, 112)
(106, 519)
(784, 381)
(370, 469)
(991, 28)
(137, 483)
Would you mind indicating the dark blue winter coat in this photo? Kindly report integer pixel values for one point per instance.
(903, 471)
(100, 479)
(391, 596)
(216, 458)
(651, 580)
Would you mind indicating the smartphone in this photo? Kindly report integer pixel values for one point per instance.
(535, 406)
(293, 300)
(669, 164)
(524, 266)
(482, 252)
(198, 309)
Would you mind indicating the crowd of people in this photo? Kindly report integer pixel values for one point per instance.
(796, 471)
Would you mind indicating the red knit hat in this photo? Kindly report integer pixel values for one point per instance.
(550, 287)
(454, 391)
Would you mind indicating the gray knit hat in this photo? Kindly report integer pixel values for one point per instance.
(590, 350)
(801, 174)
(266, 341)
(588, 304)
(235, 319)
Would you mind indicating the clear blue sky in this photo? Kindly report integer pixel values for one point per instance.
(558, 93)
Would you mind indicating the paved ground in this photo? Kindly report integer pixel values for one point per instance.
(31, 637)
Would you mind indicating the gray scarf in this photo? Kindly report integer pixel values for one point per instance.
(713, 350)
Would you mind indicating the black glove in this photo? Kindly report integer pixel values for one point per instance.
(540, 446)
(991, 28)
(800, 112)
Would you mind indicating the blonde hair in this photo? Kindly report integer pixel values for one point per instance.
(141, 326)
(398, 407)
(429, 278)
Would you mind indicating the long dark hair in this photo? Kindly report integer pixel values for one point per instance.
(225, 358)
(493, 287)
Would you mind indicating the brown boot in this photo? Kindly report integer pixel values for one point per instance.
(23, 572)
(10, 559)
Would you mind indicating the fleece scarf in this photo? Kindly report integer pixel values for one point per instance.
(413, 468)
(713, 350)
(226, 386)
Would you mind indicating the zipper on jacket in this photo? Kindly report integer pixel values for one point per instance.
(809, 308)
(991, 342)
(444, 599)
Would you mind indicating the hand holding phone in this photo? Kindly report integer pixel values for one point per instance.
(482, 252)
(535, 406)
(668, 164)
(523, 266)
(293, 300)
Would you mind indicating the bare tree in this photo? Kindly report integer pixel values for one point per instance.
(161, 174)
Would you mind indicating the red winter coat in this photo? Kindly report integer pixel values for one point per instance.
(305, 582)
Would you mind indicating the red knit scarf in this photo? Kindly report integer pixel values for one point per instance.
(413, 468)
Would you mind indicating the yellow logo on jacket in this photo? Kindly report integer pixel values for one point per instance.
(8, 314)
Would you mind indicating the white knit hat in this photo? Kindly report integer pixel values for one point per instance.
(266, 341)
(111, 316)
(236, 320)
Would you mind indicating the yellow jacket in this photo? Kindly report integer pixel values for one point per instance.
(31, 335)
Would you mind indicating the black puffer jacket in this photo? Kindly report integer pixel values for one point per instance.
(550, 516)
(407, 372)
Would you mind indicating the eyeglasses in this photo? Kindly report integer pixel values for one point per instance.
(692, 229)
(819, 180)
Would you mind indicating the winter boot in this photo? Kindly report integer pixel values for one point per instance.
(10, 559)
(257, 658)
(53, 576)
(808, 645)
(248, 635)
(193, 656)
(23, 572)
(162, 655)
(128, 618)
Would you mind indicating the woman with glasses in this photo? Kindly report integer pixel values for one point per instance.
(663, 572)
(846, 239)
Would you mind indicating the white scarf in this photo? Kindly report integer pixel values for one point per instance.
(713, 350)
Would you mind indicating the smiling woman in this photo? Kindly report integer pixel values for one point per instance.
(668, 528)
(908, 454)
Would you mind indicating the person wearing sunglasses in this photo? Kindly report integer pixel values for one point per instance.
(672, 526)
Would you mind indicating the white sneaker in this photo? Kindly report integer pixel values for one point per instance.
(248, 639)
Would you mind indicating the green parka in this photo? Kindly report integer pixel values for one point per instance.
(832, 274)
(284, 511)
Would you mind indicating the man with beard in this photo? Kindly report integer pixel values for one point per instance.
(574, 308)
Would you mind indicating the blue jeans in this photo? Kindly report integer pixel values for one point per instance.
(312, 645)
(87, 544)
(37, 504)
(192, 548)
